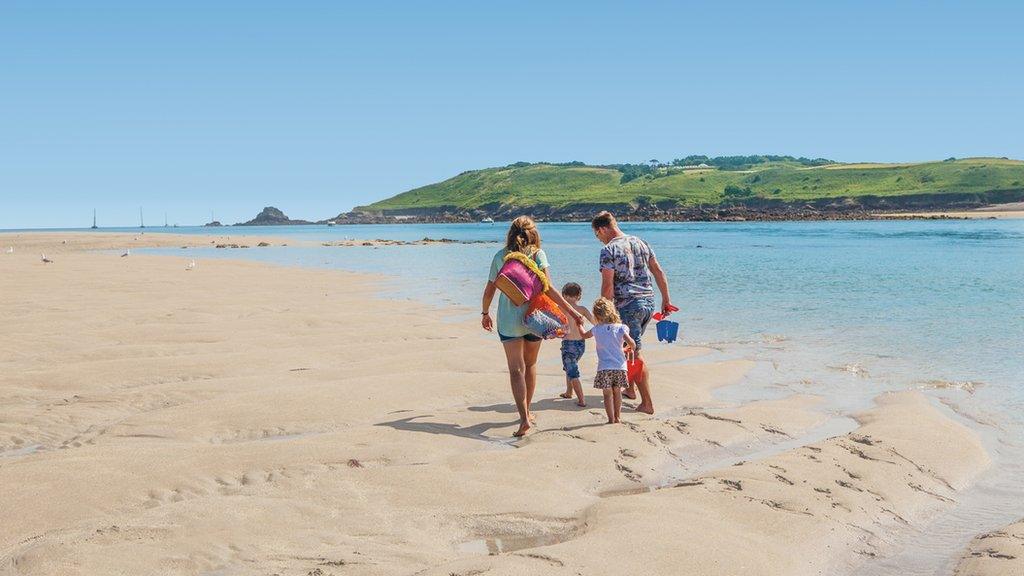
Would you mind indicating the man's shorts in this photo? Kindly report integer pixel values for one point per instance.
(636, 315)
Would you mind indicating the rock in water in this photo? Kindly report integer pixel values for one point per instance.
(271, 216)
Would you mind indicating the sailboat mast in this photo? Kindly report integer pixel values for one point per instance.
(142, 223)
(93, 218)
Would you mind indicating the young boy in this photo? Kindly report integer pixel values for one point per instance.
(573, 345)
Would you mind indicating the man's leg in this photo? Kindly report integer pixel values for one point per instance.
(636, 315)
(646, 403)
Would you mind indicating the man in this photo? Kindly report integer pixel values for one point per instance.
(627, 268)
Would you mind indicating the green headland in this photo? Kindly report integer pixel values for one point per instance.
(697, 183)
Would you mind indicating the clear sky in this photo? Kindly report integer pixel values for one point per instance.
(315, 107)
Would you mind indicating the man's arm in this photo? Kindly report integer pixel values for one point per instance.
(608, 283)
(659, 278)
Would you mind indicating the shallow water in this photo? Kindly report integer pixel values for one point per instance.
(845, 310)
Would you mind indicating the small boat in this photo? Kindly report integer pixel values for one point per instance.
(330, 222)
(487, 220)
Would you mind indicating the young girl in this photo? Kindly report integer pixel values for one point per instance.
(609, 334)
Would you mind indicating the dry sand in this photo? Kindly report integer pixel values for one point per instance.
(1014, 210)
(244, 419)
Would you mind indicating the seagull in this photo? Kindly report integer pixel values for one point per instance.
(10, 249)
(190, 265)
(127, 251)
(45, 259)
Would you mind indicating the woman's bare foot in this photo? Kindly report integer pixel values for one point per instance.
(581, 404)
(645, 408)
(523, 429)
(629, 393)
(565, 395)
(533, 418)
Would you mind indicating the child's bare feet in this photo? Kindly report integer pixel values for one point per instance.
(523, 429)
(581, 404)
(565, 395)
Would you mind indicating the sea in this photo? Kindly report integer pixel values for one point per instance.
(845, 310)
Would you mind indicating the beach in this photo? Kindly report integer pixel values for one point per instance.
(1012, 211)
(245, 418)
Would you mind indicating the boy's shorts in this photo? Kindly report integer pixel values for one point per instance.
(572, 351)
(636, 315)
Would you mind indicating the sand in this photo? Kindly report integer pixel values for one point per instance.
(1012, 211)
(239, 418)
(996, 553)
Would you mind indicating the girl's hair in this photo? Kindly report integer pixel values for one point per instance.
(523, 236)
(605, 312)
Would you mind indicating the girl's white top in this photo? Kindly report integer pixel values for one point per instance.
(609, 338)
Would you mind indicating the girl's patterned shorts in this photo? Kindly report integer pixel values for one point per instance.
(610, 379)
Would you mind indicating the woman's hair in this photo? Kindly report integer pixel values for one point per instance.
(523, 236)
(605, 312)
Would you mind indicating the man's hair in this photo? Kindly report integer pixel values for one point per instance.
(572, 289)
(603, 219)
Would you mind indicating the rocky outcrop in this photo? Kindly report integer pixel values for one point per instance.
(271, 216)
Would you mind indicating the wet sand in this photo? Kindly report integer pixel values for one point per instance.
(1000, 552)
(238, 418)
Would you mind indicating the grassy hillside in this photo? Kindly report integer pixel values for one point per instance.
(562, 185)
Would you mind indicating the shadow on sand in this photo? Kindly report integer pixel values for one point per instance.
(474, 432)
(561, 404)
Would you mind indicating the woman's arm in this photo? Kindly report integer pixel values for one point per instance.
(485, 306)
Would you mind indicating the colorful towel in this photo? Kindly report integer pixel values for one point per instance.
(544, 318)
(520, 279)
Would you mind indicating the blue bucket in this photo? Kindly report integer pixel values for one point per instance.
(668, 330)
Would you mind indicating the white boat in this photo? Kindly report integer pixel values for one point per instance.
(487, 220)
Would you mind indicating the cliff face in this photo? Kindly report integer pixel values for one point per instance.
(271, 216)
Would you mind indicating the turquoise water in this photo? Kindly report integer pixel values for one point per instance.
(878, 305)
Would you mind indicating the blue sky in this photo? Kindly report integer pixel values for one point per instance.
(315, 107)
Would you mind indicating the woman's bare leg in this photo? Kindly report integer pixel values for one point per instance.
(530, 352)
(517, 379)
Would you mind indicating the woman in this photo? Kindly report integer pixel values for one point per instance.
(521, 347)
